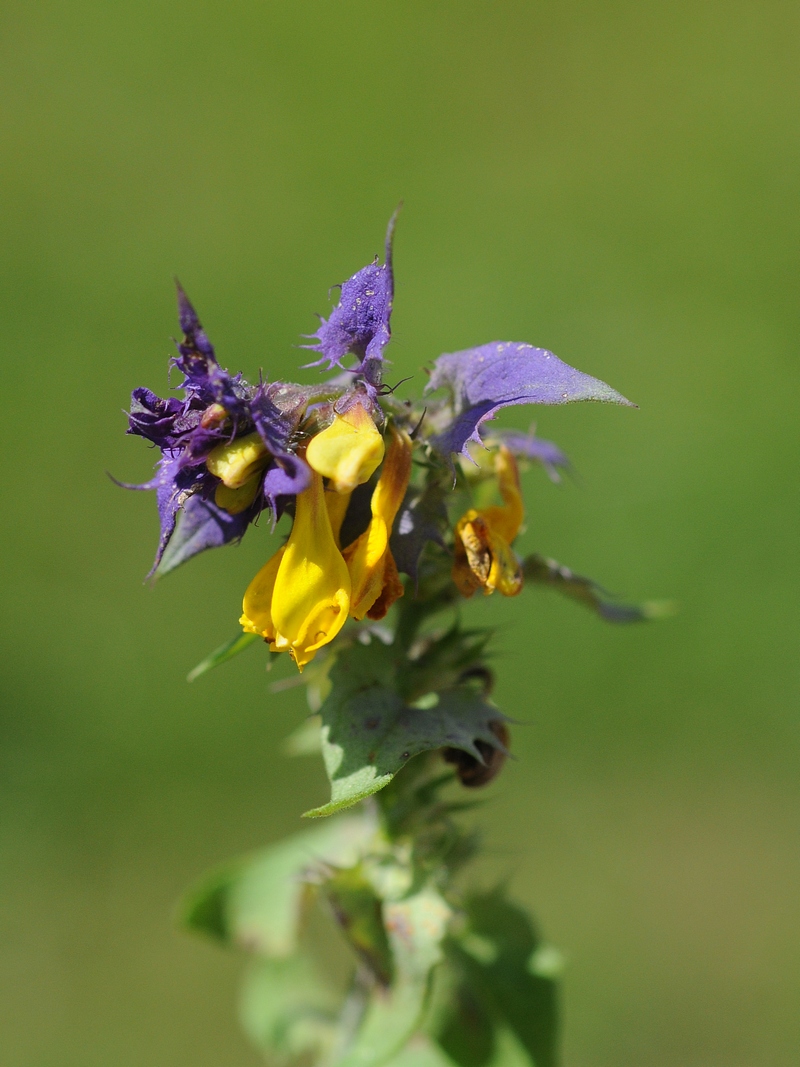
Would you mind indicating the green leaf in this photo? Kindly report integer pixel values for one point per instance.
(369, 732)
(287, 1011)
(225, 652)
(495, 964)
(584, 591)
(416, 927)
(255, 902)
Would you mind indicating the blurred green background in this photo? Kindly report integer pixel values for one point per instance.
(617, 181)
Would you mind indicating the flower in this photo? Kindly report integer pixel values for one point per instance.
(300, 599)
(483, 553)
(302, 596)
(230, 450)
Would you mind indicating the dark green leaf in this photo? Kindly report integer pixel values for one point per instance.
(369, 732)
(225, 652)
(255, 902)
(583, 590)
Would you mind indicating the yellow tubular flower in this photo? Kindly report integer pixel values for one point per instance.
(299, 601)
(483, 553)
(349, 451)
(375, 581)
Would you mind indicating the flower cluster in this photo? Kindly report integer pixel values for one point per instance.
(408, 505)
(368, 479)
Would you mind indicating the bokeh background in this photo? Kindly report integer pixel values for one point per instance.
(616, 180)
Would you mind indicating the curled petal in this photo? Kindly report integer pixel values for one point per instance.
(368, 556)
(287, 476)
(483, 553)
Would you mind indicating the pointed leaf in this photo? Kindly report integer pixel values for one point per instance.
(496, 962)
(222, 654)
(369, 732)
(422, 518)
(201, 525)
(357, 908)
(583, 590)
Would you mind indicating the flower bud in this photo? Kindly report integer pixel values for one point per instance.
(235, 462)
(348, 451)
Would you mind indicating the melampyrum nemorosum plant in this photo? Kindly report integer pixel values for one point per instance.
(400, 509)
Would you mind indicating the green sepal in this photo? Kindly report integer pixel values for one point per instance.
(287, 1011)
(584, 591)
(369, 732)
(222, 654)
(256, 902)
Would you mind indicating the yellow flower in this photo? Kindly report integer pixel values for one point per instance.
(300, 599)
(349, 451)
(373, 573)
(238, 464)
(484, 556)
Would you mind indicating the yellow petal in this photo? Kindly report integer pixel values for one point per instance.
(235, 462)
(311, 597)
(257, 604)
(506, 520)
(349, 451)
(366, 556)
